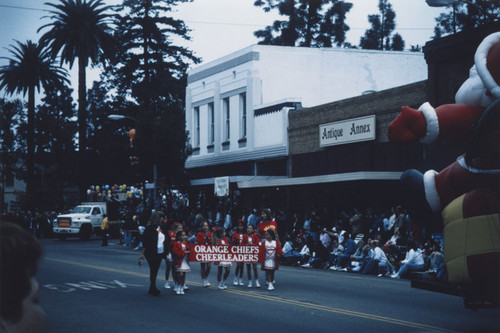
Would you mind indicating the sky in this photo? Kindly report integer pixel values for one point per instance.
(220, 27)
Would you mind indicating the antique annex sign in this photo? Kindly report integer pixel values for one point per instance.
(216, 253)
(347, 131)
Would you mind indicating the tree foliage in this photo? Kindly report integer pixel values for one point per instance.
(10, 116)
(310, 23)
(378, 37)
(466, 15)
(150, 81)
(79, 29)
(29, 68)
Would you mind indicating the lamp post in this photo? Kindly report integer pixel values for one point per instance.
(155, 173)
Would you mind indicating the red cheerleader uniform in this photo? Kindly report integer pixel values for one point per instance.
(269, 253)
(180, 258)
(203, 239)
(237, 238)
(254, 240)
(223, 263)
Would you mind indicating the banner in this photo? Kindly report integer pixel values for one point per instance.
(221, 186)
(217, 253)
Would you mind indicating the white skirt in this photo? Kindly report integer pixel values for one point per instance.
(224, 264)
(184, 266)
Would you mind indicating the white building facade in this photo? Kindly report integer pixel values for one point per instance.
(237, 106)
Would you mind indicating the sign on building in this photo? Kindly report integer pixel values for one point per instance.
(347, 131)
(221, 186)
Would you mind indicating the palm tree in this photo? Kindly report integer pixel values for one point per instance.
(30, 67)
(79, 30)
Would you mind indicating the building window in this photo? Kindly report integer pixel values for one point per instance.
(196, 134)
(226, 112)
(211, 124)
(243, 115)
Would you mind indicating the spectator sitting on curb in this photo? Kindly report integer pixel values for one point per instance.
(344, 259)
(319, 257)
(335, 250)
(414, 261)
(377, 263)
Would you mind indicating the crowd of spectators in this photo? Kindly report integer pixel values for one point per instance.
(365, 241)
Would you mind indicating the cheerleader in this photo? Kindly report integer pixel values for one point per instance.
(251, 238)
(180, 253)
(237, 239)
(172, 232)
(272, 250)
(204, 237)
(222, 240)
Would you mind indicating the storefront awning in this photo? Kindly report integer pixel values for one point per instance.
(333, 178)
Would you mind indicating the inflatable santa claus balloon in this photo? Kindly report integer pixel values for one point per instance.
(467, 192)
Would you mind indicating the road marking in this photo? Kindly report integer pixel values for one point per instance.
(272, 298)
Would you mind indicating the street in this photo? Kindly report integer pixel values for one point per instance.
(89, 288)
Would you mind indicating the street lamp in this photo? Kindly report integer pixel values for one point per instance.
(120, 117)
(155, 173)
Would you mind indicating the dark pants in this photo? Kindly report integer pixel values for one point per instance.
(154, 262)
(105, 238)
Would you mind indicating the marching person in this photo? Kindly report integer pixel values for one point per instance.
(172, 231)
(251, 238)
(267, 223)
(237, 239)
(154, 250)
(204, 237)
(180, 253)
(271, 248)
(221, 280)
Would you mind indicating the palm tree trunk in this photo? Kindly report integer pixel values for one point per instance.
(82, 125)
(82, 106)
(30, 163)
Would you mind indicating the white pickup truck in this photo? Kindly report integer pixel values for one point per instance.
(84, 220)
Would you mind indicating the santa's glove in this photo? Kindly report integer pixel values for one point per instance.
(409, 125)
(451, 122)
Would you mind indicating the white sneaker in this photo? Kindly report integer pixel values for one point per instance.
(185, 287)
(177, 290)
(208, 283)
(395, 276)
(334, 268)
(181, 290)
(270, 286)
(220, 286)
(257, 284)
(306, 265)
(240, 281)
(249, 284)
(224, 285)
(167, 285)
(235, 282)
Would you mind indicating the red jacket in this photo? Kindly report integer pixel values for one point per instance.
(179, 252)
(264, 226)
(237, 238)
(203, 239)
(254, 240)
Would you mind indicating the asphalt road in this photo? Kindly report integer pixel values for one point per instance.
(89, 288)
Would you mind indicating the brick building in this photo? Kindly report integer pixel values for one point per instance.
(353, 172)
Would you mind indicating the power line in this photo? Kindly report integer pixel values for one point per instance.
(221, 23)
(20, 7)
